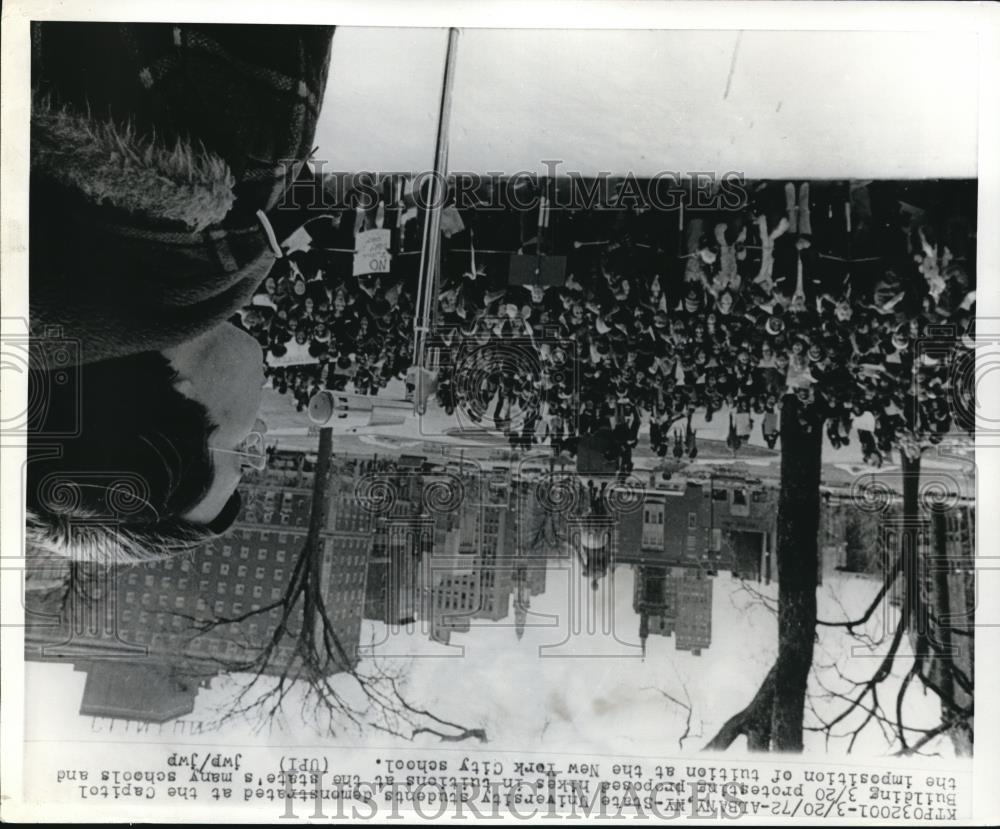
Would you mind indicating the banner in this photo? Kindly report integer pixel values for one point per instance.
(371, 252)
(296, 354)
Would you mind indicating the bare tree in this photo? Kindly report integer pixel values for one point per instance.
(934, 663)
(302, 658)
(773, 719)
(851, 704)
(685, 705)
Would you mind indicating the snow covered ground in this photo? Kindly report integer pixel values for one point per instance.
(559, 690)
(764, 103)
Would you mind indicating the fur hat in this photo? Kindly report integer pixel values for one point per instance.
(111, 165)
(141, 263)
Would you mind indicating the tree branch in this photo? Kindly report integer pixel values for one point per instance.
(750, 719)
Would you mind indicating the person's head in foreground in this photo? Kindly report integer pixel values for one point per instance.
(140, 457)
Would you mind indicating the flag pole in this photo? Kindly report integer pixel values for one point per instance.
(430, 247)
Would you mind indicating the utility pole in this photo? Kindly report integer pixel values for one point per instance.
(430, 257)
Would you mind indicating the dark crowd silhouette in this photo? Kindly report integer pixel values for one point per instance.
(822, 290)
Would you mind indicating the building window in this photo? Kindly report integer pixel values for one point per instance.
(179, 602)
(258, 573)
(257, 591)
(223, 569)
(692, 520)
(238, 590)
(241, 571)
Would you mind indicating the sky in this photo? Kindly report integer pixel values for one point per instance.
(765, 103)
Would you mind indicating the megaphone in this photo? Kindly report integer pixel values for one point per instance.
(353, 412)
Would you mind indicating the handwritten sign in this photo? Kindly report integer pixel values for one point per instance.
(371, 252)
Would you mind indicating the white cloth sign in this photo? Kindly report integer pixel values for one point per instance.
(296, 354)
(371, 252)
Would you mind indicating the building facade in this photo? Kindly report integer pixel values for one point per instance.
(218, 608)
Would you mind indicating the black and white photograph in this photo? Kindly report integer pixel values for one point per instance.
(537, 421)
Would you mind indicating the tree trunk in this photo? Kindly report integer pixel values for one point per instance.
(909, 539)
(773, 719)
(314, 537)
(754, 721)
(798, 568)
(949, 657)
(940, 600)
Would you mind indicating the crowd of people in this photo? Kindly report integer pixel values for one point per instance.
(805, 290)
(349, 330)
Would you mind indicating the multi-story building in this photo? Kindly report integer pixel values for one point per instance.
(454, 600)
(392, 592)
(694, 610)
(719, 524)
(480, 561)
(654, 599)
(674, 601)
(496, 573)
(193, 616)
